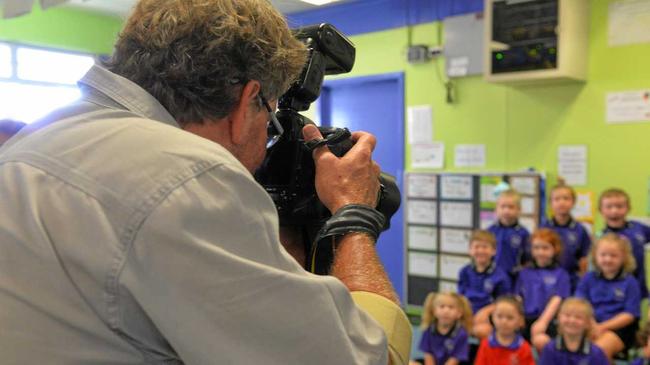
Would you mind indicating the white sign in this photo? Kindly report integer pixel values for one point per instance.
(422, 212)
(628, 106)
(628, 22)
(421, 186)
(450, 266)
(527, 205)
(423, 264)
(447, 287)
(455, 240)
(420, 124)
(528, 223)
(469, 155)
(458, 66)
(456, 214)
(524, 185)
(572, 164)
(456, 187)
(428, 155)
(422, 238)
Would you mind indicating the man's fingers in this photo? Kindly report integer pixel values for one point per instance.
(310, 132)
(364, 138)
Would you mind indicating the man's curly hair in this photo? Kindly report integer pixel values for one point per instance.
(194, 55)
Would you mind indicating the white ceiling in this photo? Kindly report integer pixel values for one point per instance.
(122, 8)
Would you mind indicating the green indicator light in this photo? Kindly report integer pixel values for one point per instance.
(499, 56)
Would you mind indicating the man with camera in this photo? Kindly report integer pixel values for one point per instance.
(127, 240)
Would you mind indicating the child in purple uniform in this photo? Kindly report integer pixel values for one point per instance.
(575, 238)
(481, 281)
(512, 238)
(614, 205)
(613, 292)
(446, 321)
(572, 345)
(543, 285)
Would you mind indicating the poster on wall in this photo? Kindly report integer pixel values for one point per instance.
(628, 22)
(420, 124)
(469, 155)
(572, 164)
(628, 106)
(428, 155)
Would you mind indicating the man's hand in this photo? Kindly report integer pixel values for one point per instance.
(351, 179)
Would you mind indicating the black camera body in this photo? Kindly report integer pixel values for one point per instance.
(288, 171)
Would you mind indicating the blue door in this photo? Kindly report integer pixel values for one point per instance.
(374, 104)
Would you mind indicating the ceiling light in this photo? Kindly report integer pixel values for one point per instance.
(318, 2)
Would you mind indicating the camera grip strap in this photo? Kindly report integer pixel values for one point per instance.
(350, 218)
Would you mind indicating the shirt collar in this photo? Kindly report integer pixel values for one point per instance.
(492, 340)
(584, 348)
(453, 332)
(514, 225)
(108, 89)
(489, 270)
(619, 276)
(570, 224)
(618, 229)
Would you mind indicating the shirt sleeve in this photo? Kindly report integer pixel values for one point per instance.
(207, 267)
(546, 357)
(526, 355)
(585, 242)
(425, 341)
(518, 289)
(633, 298)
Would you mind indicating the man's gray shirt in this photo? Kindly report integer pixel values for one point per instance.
(126, 240)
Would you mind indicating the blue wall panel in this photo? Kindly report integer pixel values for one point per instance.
(365, 16)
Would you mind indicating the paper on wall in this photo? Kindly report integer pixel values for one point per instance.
(422, 238)
(450, 266)
(583, 209)
(458, 66)
(628, 106)
(456, 187)
(524, 184)
(422, 212)
(423, 264)
(447, 286)
(453, 214)
(529, 223)
(422, 186)
(455, 240)
(487, 219)
(429, 155)
(628, 22)
(488, 184)
(572, 164)
(420, 124)
(528, 205)
(469, 155)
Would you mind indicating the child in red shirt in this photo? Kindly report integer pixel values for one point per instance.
(505, 346)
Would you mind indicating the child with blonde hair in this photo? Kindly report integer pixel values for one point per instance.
(575, 238)
(614, 205)
(572, 345)
(512, 238)
(614, 294)
(446, 322)
(505, 346)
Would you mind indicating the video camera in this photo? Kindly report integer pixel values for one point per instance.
(288, 170)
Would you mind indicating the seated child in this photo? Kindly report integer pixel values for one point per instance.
(614, 205)
(512, 238)
(575, 238)
(505, 346)
(643, 338)
(543, 284)
(572, 345)
(613, 292)
(446, 321)
(481, 282)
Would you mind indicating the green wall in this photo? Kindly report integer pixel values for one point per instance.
(63, 28)
(522, 126)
